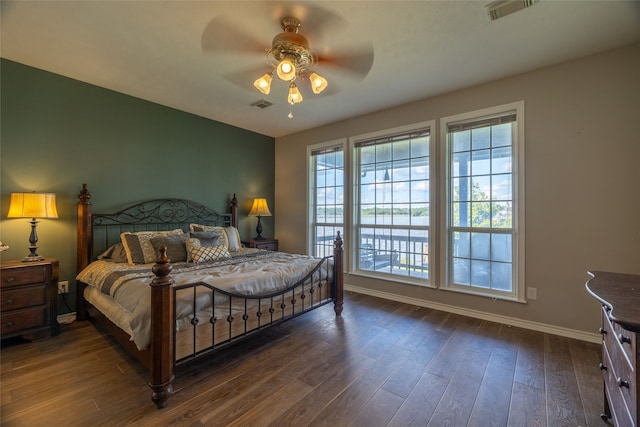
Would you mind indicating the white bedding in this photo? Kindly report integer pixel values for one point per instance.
(125, 297)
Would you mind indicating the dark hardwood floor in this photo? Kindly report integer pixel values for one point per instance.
(383, 363)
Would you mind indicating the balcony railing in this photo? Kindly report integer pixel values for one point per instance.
(394, 255)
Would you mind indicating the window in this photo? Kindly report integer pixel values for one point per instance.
(484, 231)
(326, 166)
(392, 203)
(445, 213)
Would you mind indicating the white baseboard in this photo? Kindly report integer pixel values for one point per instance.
(65, 319)
(526, 324)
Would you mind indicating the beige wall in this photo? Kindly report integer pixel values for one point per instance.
(582, 201)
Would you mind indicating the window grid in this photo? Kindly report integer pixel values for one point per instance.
(481, 198)
(327, 199)
(392, 216)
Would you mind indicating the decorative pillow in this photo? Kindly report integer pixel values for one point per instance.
(234, 238)
(115, 253)
(208, 238)
(138, 245)
(199, 253)
(223, 233)
(176, 247)
(204, 238)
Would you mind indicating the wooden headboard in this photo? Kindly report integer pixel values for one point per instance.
(96, 232)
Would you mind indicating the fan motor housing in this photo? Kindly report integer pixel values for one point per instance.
(291, 45)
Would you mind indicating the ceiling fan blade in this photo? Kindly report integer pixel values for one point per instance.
(356, 61)
(223, 35)
(317, 23)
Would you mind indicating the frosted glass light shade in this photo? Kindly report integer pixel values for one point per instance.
(318, 83)
(286, 70)
(263, 84)
(294, 94)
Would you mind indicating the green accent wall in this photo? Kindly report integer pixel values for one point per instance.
(58, 133)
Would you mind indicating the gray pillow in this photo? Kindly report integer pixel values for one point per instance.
(207, 238)
(176, 248)
(115, 253)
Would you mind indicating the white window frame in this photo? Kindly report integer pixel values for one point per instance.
(518, 186)
(354, 183)
(310, 235)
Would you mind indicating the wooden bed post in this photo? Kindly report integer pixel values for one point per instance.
(162, 331)
(338, 286)
(85, 245)
(234, 211)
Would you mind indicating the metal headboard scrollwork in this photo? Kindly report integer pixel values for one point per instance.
(154, 215)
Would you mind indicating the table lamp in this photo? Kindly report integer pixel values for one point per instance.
(259, 209)
(33, 205)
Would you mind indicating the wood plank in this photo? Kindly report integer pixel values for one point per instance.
(528, 407)
(379, 409)
(530, 364)
(491, 407)
(419, 406)
(404, 379)
(564, 406)
(586, 358)
(457, 402)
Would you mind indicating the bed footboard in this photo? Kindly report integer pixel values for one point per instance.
(255, 313)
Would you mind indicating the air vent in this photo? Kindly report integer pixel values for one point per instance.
(501, 8)
(263, 103)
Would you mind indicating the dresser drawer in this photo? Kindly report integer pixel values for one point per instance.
(618, 402)
(22, 319)
(24, 276)
(22, 297)
(622, 338)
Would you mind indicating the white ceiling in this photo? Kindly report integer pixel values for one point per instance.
(153, 50)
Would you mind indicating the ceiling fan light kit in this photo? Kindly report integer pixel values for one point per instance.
(291, 59)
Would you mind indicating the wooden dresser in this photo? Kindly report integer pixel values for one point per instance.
(29, 298)
(620, 298)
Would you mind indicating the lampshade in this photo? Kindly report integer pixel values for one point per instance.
(286, 70)
(294, 94)
(260, 208)
(32, 205)
(318, 83)
(263, 84)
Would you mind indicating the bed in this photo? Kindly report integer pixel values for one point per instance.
(170, 280)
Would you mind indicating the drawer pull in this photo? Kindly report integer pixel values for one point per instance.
(10, 279)
(624, 339)
(602, 331)
(10, 301)
(602, 367)
(622, 383)
(9, 324)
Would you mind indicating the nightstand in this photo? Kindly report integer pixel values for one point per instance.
(29, 297)
(268, 244)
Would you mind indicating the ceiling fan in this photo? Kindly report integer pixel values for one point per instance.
(290, 58)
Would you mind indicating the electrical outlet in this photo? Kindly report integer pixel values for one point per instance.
(63, 287)
(532, 293)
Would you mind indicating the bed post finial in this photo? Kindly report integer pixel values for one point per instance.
(162, 331)
(338, 286)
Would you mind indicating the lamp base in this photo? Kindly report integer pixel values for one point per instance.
(259, 230)
(31, 258)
